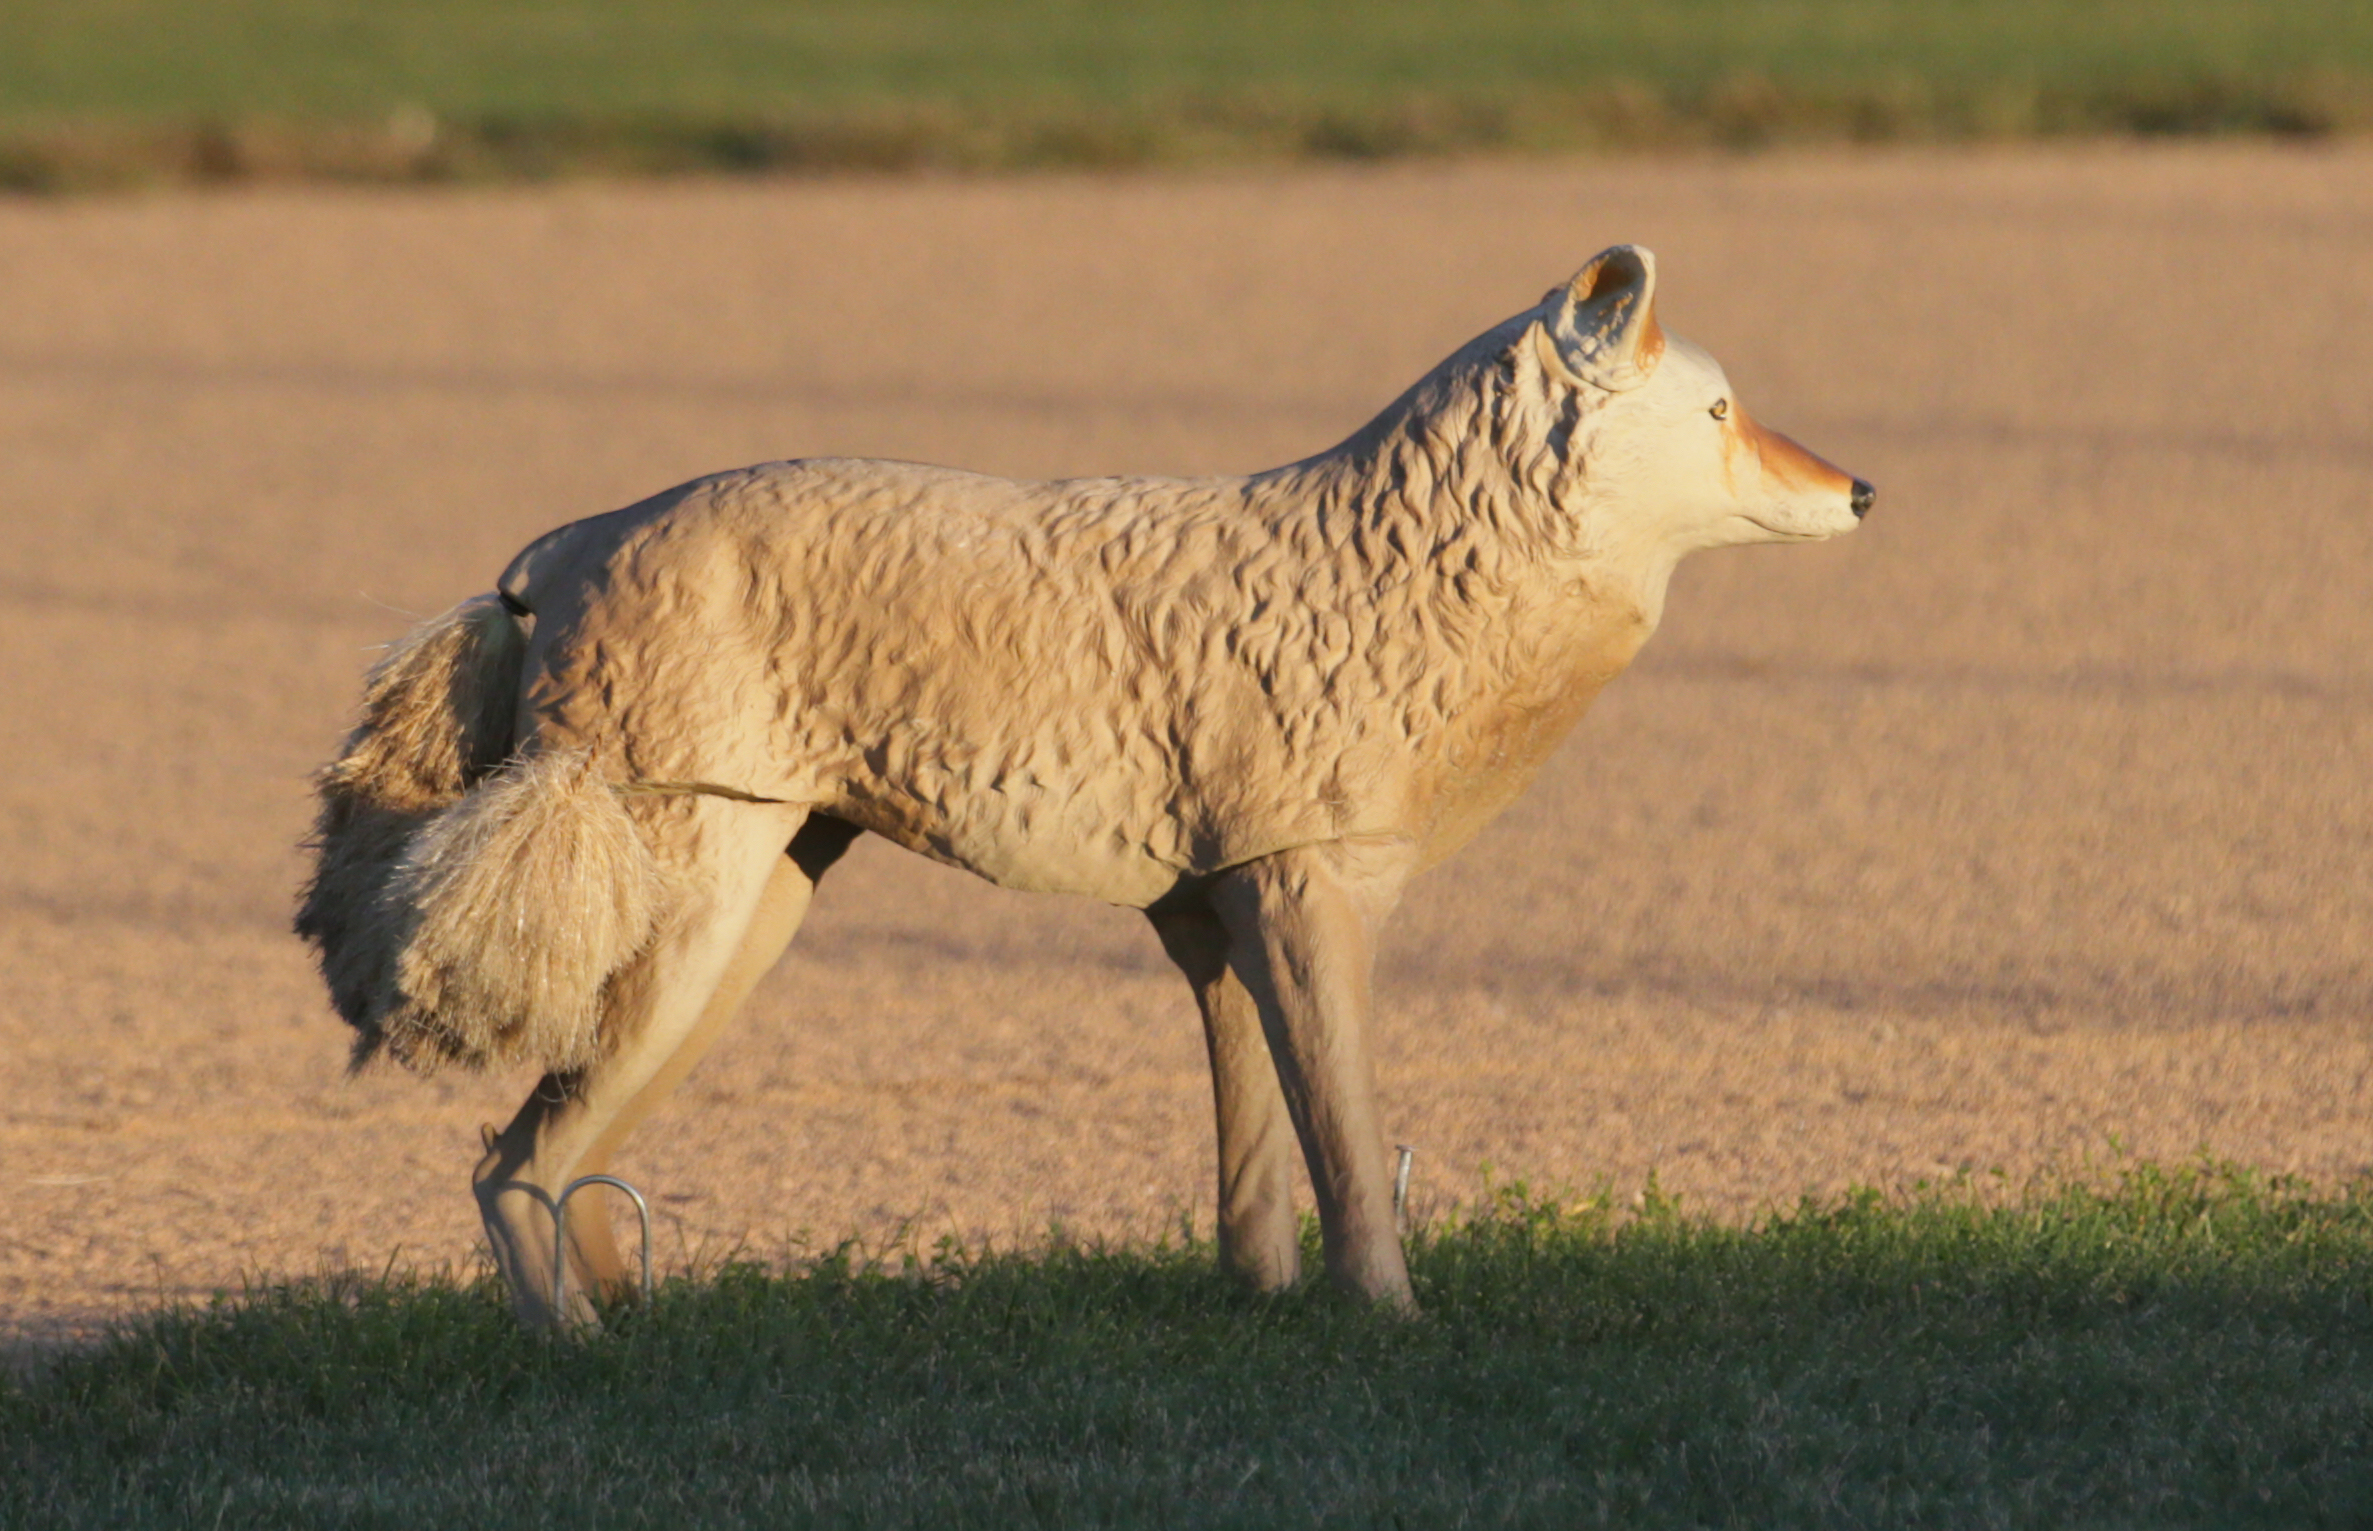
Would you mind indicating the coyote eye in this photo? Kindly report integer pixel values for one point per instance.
(1721, 409)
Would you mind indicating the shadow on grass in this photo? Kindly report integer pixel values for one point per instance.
(2160, 1347)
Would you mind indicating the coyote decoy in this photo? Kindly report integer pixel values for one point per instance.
(582, 815)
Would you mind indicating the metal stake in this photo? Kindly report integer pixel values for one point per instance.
(1400, 1188)
(560, 1236)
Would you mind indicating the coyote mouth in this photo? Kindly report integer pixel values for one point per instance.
(1783, 533)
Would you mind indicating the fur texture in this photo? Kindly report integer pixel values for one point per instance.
(466, 907)
(436, 716)
(516, 906)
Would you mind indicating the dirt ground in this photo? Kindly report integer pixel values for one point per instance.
(2029, 823)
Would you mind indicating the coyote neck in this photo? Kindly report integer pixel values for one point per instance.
(1456, 524)
(1463, 511)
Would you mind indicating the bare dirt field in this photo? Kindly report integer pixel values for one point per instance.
(2032, 820)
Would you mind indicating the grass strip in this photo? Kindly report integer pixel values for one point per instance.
(413, 146)
(2165, 1348)
(105, 92)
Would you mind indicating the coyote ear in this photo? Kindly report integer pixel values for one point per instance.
(1605, 320)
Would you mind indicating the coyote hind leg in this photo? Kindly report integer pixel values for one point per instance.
(1259, 1239)
(744, 901)
(782, 908)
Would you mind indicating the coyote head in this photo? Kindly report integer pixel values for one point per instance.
(1673, 456)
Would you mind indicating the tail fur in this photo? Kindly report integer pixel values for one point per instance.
(468, 906)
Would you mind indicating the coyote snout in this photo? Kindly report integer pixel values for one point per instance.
(580, 818)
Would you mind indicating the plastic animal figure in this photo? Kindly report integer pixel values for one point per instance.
(582, 815)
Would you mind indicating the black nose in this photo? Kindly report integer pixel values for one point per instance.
(1863, 496)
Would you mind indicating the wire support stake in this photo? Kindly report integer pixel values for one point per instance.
(560, 1236)
(1400, 1188)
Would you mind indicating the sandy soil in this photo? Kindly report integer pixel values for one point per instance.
(2032, 820)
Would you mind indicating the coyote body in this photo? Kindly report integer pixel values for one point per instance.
(1109, 687)
(582, 816)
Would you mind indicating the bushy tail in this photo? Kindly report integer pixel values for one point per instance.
(467, 906)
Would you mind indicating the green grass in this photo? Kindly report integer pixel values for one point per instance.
(441, 88)
(2168, 1349)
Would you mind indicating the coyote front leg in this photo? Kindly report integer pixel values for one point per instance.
(1302, 928)
(1259, 1243)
